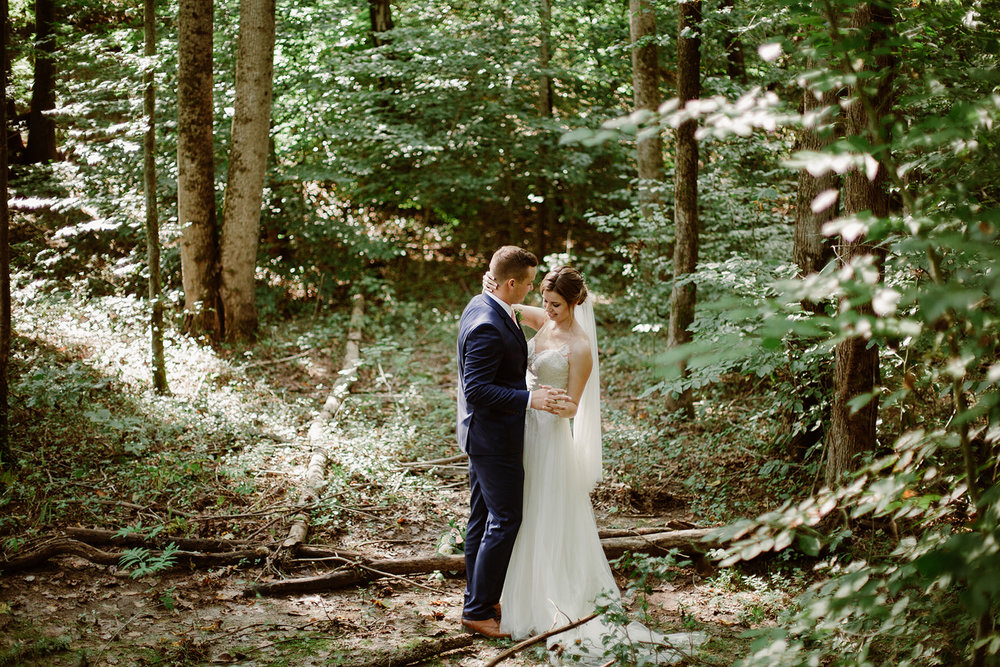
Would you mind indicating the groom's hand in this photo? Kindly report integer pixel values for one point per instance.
(549, 399)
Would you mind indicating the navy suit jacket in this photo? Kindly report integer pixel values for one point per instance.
(492, 394)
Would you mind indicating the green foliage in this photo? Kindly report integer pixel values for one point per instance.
(32, 650)
(143, 562)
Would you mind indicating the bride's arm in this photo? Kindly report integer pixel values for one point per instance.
(533, 316)
(580, 365)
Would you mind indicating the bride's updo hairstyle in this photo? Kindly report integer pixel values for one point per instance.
(567, 283)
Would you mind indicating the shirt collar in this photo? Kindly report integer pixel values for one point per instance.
(506, 306)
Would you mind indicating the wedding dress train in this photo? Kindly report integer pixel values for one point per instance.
(558, 569)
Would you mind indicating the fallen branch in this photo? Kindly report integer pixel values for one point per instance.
(435, 462)
(646, 530)
(97, 536)
(363, 573)
(318, 439)
(59, 547)
(687, 541)
(531, 641)
(70, 547)
(690, 542)
(422, 651)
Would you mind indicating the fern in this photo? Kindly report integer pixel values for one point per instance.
(144, 562)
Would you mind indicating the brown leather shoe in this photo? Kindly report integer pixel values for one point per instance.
(498, 615)
(489, 627)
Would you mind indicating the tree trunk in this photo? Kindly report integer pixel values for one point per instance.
(41, 126)
(646, 87)
(7, 459)
(852, 432)
(196, 169)
(380, 13)
(682, 298)
(545, 212)
(152, 221)
(811, 250)
(735, 65)
(247, 166)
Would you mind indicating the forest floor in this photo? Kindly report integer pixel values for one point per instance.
(223, 457)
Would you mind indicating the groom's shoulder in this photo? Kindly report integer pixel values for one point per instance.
(478, 311)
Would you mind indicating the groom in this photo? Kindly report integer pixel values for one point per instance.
(492, 399)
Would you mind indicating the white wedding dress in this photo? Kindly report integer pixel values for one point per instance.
(558, 569)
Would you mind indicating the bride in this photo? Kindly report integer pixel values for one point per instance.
(558, 572)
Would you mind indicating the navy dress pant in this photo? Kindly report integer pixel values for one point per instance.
(494, 518)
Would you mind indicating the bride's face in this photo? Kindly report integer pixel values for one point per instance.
(556, 307)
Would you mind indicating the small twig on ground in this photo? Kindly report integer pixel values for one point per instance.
(276, 509)
(114, 637)
(364, 544)
(434, 462)
(531, 641)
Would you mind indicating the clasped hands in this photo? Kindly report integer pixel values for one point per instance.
(553, 400)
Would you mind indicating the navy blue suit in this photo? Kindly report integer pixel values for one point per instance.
(492, 398)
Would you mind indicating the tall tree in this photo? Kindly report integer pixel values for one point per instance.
(196, 169)
(646, 91)
(7, 459)
(380, 15)
(852, 428)
(152, 221)
(545, 219)
(247, 166)
(682, 297)
(811, 249)
(41, 126)
(736, 67)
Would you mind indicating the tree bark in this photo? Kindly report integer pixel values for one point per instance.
(41, 126)
(646, 90)
(811, 250)
(247, 167)
(683, 295)
(152, 218)
(7, 458)
(196, 170)
(853, 432)
(380, 14)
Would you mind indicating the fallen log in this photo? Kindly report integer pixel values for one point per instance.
(97, 536)
(70, 547)
(689, 542)
(646, 530)
(420, 651)
(318, 439)
(58, 547)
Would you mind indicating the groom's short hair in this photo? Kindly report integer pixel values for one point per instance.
(511, 262)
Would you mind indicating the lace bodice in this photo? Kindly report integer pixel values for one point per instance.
(548, 367)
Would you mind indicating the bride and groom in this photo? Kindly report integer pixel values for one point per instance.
(532, 539)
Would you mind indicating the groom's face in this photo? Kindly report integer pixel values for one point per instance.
(522, 287)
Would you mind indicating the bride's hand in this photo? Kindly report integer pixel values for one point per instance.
(489, 282)
(564, 406)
